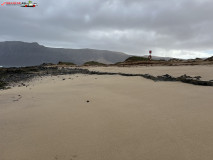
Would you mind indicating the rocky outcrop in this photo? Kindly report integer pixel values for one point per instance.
(11, 76)
(209, 59)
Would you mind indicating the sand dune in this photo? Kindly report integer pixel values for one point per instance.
(107, 118)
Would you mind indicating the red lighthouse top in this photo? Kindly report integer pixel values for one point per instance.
(150, 56)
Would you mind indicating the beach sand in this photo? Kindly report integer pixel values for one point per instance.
(205, 71)
(93, 117)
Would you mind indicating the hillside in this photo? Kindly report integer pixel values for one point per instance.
(142, 61)
(15, 53)
(209, 59)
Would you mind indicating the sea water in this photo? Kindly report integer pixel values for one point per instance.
(10, 66)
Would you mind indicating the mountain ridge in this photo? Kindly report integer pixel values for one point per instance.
(18, 53)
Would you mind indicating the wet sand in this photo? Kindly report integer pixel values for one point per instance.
(106, 118)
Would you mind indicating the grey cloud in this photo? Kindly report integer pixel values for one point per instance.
(179, 28)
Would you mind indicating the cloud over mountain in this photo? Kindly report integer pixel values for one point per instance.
(175, 28)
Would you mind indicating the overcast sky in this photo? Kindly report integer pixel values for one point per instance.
(172, 28)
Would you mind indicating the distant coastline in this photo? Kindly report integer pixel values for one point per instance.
(10, 66)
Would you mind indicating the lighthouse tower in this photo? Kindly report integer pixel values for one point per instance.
(150, 55)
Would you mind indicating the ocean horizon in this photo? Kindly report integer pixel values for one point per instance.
(10, 66)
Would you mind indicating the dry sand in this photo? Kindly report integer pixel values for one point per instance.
(127, 118)
(205, 71)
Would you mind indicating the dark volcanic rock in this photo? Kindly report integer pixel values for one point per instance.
(2, 84)
(11, 76)
(209, 59)
(197, 77)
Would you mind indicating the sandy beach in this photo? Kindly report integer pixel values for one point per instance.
(103, 117)
(205, 71)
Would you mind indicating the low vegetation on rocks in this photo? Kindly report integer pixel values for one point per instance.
(94, 63)
(209, 59)
(136, 58)
(66, 63)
